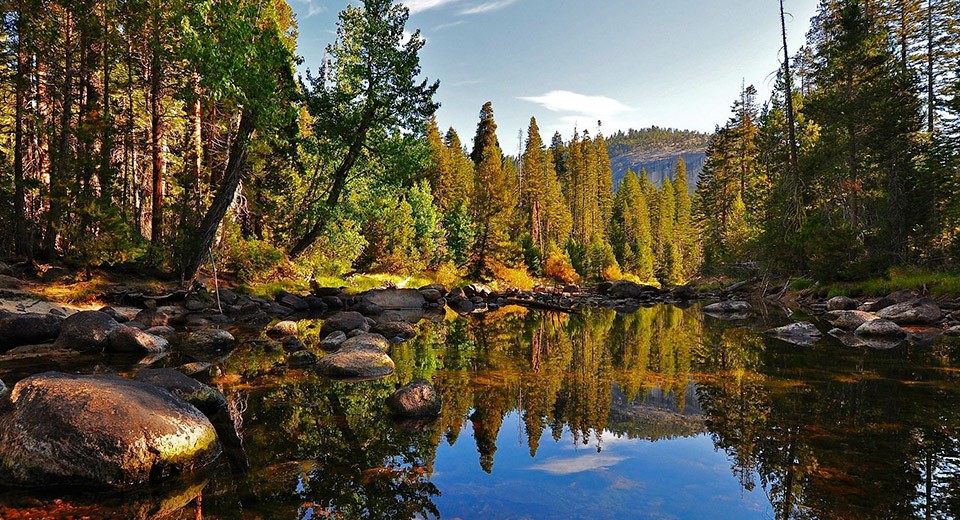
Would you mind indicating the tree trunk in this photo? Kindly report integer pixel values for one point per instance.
(58, 173)
(106, 175)
(21, 238)
(931, 93)
(194, 256)
(157, 137)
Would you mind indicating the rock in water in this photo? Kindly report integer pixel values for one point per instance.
(728, 307)
(28, 329)
(356, 362)
(333, 341)
(880, 328)
(396, 329)
(100, 431)
(344, 322)
(842, 303)
(801, 333)
(130, 339)
(86, 331)
(282, 329)
(417, 399)
(301, 359)
(207, 399)
(396, 298)
(623, 290)
(848, 320)
(923, 311)
(208, 340)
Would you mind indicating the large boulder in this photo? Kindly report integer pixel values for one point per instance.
(848, 320)
(728, 307)
(477, 289)
(208, 340)
(292, 301)
(102, 431)
(206, 398)
(800, 333)
(417, 399)
(367, 339)
(333, 341)
(431, 295)
(86, 331)
(132, 339)
(880, 328)
(923, 311)
(344, 322)
(842, 303)
(356, 361)
(396, 329)
(28, 329)
(396, 298)
(623, 290)
(282, 329)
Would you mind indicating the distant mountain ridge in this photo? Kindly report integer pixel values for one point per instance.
(657, 150)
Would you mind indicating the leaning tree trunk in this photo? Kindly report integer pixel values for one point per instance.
(193, 255)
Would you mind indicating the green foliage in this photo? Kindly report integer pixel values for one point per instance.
(252, 260)
(532, 256)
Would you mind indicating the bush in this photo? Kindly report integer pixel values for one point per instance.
(511, 277)
(252, 260)
(558, 267)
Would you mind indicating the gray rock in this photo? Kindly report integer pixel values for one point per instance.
(115, 314)
(101, 431)
(283, 328)
(395, 298)
(152, 318)
(344, 322)
(842, 303)
(417, 399)
(356, 362)
(292, 301)
(923, 311)
(227, 297)
(164, 331)
(301, 359)
(333, 303)
(333, 341)
(28, 329)
(208, 340)
(848, 320)
(315, 303)
(880, 328)
(207, 399)
(624, 290)
(953, 332)
(440, 288)
(367, 339)
(275, 309)
(728, 307)
(195, 305)
(477, 289)
(800, 333)
(292, 344)
(86, 331)
(131, 339)
(368, 308)
(431, 295)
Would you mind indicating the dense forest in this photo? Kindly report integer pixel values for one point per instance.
(857, 169)
(172, 134)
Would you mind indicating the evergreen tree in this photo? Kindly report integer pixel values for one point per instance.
(686, 236)
(630, 230)
(493, 199)
(669, 262)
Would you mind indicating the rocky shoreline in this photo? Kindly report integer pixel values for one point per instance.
(62, 429)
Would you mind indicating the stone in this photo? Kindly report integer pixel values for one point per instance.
(333, 341)
(152, 318)
(301, 359)
(728, 307)
(315, 303)
(800, 333)
(333, 303)
(100, 431)
(461, 305)
(848, 320)
(207, 399)
(195, 367)
(86, 331)
(356, 362)
(131, 339)
(28, 329)
(227, 297)
(842, 303)
(417, 399)
(624, 290)
(208, 340)
(275, 309)
(292, 301)
(292, 344)
(953, 332)
(685, 293)
(923, 311)
(439, 287)
(323, 291)
(395, 298)
(115, 314)
(344, 322)
(282, 329)
(368, 308)
(196, 305)
(431, 295)
(367, 339)
(164, 331)
(880, 328)
(396, 329)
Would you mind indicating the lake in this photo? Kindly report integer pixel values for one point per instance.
(665, 413)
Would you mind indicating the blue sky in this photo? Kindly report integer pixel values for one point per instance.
(627, 63)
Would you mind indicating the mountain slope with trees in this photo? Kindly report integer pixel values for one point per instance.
(656, 151)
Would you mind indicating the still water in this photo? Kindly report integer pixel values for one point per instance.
(661, 414)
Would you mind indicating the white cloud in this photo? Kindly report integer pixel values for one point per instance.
(580, 464)
(418, 6)
(571, 102)
(313, 7)
(486, 7)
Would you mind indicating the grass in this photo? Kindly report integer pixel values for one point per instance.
(90, 291)
(932, 283)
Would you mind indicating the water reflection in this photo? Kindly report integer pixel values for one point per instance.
(663, 413)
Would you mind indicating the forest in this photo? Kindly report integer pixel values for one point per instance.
(169, 135)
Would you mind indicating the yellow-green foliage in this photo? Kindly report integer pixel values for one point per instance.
(509, 277)
(898, 278)
(558, 267)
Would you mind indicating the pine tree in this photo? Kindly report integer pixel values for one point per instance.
(630, 229)
(494, 195)
(683, 222)
(669, 262)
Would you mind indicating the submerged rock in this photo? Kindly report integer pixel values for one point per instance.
(87, 331)
(359, 361)
(207, 399)
(208, 340)
(923, 311)
(729, 307)
(102, 431)
(417, 399)
(801, 333)
(28, 329)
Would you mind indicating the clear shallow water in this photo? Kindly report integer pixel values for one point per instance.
(662, 414)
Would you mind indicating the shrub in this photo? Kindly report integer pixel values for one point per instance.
(558, 267)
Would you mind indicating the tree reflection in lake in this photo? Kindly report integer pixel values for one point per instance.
(805, 432)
